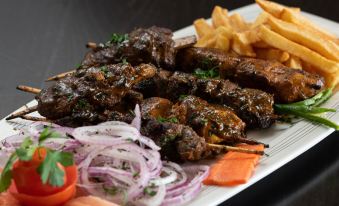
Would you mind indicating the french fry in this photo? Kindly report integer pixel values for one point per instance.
(272, 54)
(324, 47)
(223, 38)
(301, 21)
(261, 44)
(248, 37)
(294, 62)
(209, 40)
(261, 19)
(326, 67)
(220, 17)
(238, 23)
(225, 31)
(202, 27)
(273, 8)
(241, 47)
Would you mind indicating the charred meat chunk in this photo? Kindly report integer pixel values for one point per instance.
(178, 142)
(151, 45)
(208, 119)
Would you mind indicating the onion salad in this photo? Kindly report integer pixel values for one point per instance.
(119, 164)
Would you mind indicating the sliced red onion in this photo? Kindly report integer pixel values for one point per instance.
(157, 199)
(105, 135)
(136, 122)
(171, 177)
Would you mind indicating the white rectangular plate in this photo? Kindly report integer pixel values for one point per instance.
(285, 143)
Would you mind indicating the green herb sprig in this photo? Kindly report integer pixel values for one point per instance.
(171, 119)
(207, 69)
(309, 109)
(48, 170)
(206, 74)
(117, 39)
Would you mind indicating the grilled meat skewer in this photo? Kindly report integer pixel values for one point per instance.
(180, 143)
(88, 93)
(286, 84)
(253, 106)
(215, 123)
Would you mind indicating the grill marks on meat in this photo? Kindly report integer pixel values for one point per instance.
(151, 45)
(253, 106)
(88, 95)
(286, 84)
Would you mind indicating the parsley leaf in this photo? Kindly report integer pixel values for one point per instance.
(49, 170)
(47, 133)
(118, 38)
(204, 74)
(124, 61)
(77, 66)
(207, 69)
(182, 97)
(26, 150)
(171, 119)
(6, 175)
(149, 191)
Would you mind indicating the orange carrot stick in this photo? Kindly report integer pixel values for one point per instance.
(234, 168)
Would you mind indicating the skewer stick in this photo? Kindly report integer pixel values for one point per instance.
(91, 45)
(252, 142)
(236, 149)
(23, 112)
(35, 119)
(28, 89)
(60, 76)
(179, 43)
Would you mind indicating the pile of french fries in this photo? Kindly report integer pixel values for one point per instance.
(279, 33)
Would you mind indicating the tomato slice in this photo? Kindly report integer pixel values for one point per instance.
(28, 180)
(56, 199)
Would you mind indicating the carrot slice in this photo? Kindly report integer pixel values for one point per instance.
(234, 168)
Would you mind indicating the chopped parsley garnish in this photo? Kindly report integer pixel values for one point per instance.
(205, 74)
(149, 191)
(124, 61)
(104, 69)
(208, 69)
(82, 104)
(171, 119)
(118, 38)
(111, 190)
(70, 97)
(182, 97)
(77, 66)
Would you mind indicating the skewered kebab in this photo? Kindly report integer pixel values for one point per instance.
(253, 106)
(180, 142)
(286, 84)
(152, 45)
(155, 45)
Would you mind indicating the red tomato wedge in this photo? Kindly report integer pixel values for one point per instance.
(234, 168)
(28, 180)
(56, 199)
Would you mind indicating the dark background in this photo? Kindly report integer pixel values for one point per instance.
(39, 38)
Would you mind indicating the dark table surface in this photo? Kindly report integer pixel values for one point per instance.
(39, 38)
